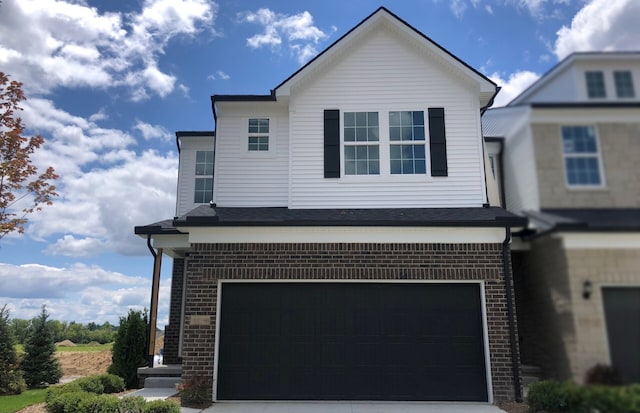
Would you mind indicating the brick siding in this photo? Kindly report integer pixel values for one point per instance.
(207, 263)
(172, 330)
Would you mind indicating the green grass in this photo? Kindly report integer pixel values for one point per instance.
(11, 404)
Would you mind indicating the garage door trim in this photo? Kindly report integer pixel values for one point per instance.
(481, 283)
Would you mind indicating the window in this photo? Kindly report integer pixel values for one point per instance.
(595, 85)
(581, 157)
(407, 140)
(258, 135)
(624, 84)
(204, 177)
(361, 148)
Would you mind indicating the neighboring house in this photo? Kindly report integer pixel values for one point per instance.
(571, 164)
(352, 249)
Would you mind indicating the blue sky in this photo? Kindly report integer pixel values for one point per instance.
(110, 81)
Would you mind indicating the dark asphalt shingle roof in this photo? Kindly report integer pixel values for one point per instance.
(473, 217)
(610, 219)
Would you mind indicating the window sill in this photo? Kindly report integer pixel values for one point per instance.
(375, 179)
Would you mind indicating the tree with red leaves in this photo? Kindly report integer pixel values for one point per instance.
(22, 189)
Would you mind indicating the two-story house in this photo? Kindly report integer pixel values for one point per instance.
(352, 249)
(571, 164)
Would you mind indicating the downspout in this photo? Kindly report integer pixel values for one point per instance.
(153, 307)
(511, 315)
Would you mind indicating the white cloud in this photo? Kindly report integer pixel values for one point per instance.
(488, 8)
(222, 75)
(513, 85)
(149, 131)
(299, 31)
(79, 292)
(47, 44)
(70, 246)
(601, 25)
(458, 7)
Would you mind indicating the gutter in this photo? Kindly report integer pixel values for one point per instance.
(153, 307)
(511, 315)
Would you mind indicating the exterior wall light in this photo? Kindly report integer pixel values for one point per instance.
(587, 289)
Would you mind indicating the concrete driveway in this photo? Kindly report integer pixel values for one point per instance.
(350, 407)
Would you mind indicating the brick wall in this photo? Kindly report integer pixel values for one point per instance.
(172, 330)
(207, 263)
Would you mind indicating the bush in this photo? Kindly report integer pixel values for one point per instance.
(100, 403)
(111, 383)
(608, 399)
(603, 374)
(129, 350)
(67, 402)
(194, 392)
(133, 404)
(554, 396)
(161, 406)
(91, 384)
(54, 392)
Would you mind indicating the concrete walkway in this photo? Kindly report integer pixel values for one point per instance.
(347, 407)
(153, 393)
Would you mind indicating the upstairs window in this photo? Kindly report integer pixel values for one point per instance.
(204, 177)
(595, 85)
(407, 143)
(624, 84)
(361, 143)
(258, 135)
(581, 156)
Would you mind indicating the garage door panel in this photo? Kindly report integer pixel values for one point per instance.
(351, 341)
(622, 314)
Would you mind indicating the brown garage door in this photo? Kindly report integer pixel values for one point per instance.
(351, 341)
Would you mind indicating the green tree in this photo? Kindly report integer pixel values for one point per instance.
(11, 381)
(129, 348)
(20, 328)
(23, 189)
(40, 365)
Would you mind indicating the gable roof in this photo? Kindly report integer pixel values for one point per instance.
(487, 87)
(564, 65)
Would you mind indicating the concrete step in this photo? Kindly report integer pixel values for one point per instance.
(161, 382)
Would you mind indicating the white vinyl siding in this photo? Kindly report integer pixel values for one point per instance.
(406, 79)
(246, 178)
(520, 178)
(190, 145)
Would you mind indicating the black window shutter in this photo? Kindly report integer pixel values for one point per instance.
(332, 144)
(437, 142)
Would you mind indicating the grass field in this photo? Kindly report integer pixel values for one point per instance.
(11, 404)
(77, 347)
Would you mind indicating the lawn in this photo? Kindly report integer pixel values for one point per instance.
(10, 404)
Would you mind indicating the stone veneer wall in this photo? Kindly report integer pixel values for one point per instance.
(207, 263)
(620, 163)
(172, 330)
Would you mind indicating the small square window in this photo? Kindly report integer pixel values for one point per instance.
(595, 85)
(203, 190)
(624, 84)
(258, 135)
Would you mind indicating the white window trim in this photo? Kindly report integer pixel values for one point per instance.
(598, 155)
(604, 84)
(615, 85)
(196, 176)
(272, 138)
(384, 151)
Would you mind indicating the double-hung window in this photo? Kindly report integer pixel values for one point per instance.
(595, 84)
(361, 143)
(204, 177)
(581, 156)
(407, 143)
(624, 84)
(258, 135)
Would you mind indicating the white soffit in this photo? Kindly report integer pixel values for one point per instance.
(400, 235)
(600, 240)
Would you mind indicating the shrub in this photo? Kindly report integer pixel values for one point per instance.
(133, 404)
(161, 406)
(11, 379)
(67, 402)
(129, 349)
(111, 383)
(40, 365)
(607, 399)
(99, 403)
(54, 392)
(194, 392)
(554, 396)
(603, 374)
(91, 384)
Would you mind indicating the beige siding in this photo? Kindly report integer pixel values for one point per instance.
(251, 179)
(620, 161)
(381, 73)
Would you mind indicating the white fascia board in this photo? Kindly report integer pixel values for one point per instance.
(347, 234)
(599, 240)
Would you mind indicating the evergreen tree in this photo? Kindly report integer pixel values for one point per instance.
(40, 365)
(130, 348)
(11, 381)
